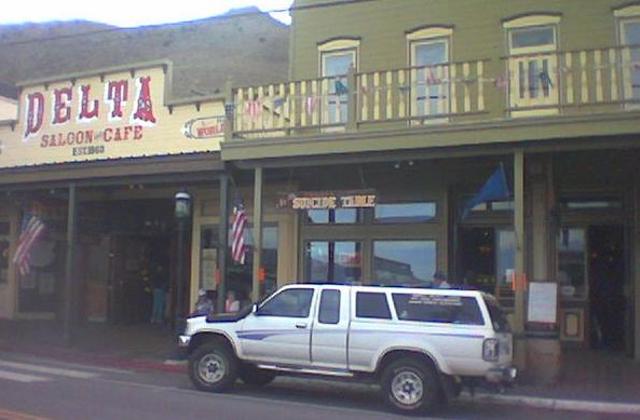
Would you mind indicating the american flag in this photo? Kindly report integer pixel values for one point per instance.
(238, 250)
(32, 229)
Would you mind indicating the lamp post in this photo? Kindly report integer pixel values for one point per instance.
(182, 214)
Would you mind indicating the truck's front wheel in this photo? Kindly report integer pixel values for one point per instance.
(213, 367)
(410, 386)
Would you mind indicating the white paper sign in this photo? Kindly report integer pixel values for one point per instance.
(543, 299)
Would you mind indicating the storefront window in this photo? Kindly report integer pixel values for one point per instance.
(240, 276)
(505, 256)
(572, 261)
(333, 261)
(593, 204)
(405, 212)
(404, 262)
(334, 216)
(208, 257)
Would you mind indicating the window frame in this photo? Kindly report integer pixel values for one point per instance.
(322, 294)
(630, 17)
(434, 240)
(368, 318)
(541, 104)
(434, 219)
(329, 53)
(480, 322)
(535, 48)
(425, 36)
(305, 265)
(292, 289)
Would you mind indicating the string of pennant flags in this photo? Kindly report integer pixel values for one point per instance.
(255, 107)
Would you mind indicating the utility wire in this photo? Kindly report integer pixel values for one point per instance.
(328, 4)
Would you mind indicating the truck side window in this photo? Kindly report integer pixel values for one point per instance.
(372, 305)
(329, 312)
(292, 303)
(462, 310)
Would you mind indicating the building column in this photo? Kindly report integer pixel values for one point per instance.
(636, 266)
(518, 227)
(520, 351)
(257, 234)
(541, 196)
(223, 241)
(69, 294)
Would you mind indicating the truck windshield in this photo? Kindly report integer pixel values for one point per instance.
(498, 318)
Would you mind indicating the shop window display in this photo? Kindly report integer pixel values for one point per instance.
(404, 262)
(240, 276)
(333, 261)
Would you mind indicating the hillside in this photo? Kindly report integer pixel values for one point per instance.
(251, 48)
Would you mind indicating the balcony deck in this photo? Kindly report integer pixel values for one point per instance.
(571, 83)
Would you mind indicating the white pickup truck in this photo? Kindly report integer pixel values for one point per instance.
(419, 344)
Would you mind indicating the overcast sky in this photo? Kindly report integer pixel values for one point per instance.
(128, 13)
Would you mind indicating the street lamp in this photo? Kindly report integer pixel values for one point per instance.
(183, 206)
(182, 214)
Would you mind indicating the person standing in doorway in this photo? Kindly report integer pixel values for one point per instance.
(440, 280)
(160, 283)
(231, 304)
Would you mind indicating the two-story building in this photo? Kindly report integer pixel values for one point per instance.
(395, 115)
(361, 166)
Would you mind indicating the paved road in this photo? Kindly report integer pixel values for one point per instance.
(39, 388)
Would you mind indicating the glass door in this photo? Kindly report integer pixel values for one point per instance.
(335, 66)
(531, 68)
(430, 93)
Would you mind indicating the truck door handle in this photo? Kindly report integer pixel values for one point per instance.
(301, 326)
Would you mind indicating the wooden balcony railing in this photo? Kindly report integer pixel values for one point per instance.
(556, 82)
(607, 79)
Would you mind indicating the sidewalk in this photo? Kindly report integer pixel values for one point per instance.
(144, 347)
(590, 381)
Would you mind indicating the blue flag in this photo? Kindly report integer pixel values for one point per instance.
(494, 189)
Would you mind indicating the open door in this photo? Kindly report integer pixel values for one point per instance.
(608, 301)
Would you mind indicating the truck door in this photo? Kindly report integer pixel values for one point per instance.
(329, 335)
(280, 330)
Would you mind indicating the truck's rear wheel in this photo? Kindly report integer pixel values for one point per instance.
(411, 386)
(213, 367)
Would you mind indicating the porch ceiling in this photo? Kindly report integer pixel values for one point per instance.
(482, 138)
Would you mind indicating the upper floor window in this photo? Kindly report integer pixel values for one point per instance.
(539, 38)
(429, 56)
(629, 27)
(336, 58)
(532, 63)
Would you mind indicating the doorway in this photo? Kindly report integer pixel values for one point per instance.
(486, 257)
(608, 306)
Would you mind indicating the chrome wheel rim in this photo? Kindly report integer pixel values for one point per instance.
(211, 368)
(407, 388)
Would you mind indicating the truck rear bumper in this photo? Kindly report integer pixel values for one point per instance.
(501, 375)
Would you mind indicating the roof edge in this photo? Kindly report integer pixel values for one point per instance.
(97, 72)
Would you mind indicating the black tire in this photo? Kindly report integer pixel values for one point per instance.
(213, 367)
(253, 376)
(411, 386)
